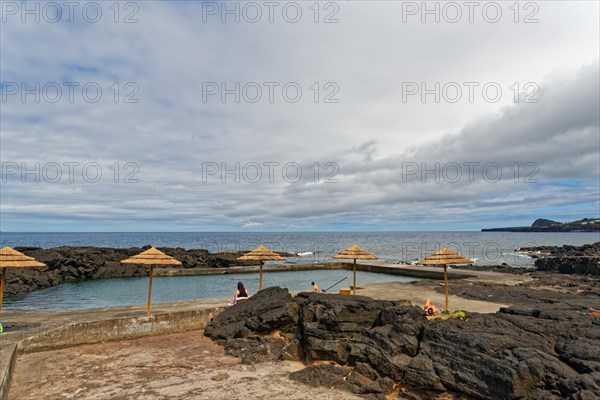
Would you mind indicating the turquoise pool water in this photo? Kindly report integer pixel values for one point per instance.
(132, 291)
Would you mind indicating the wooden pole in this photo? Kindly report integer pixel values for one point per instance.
(2, 287)
(260, 282)
(354, 276)
(149, 291)
(446, 284)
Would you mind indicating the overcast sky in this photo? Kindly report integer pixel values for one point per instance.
(247, 116)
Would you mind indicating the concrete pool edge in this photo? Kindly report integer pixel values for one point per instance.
(407, 270)
(8, 361)
(117, 329)
(99, 330)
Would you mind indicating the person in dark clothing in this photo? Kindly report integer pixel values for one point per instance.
(240, 293)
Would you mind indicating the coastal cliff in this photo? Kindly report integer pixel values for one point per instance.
(546, 225)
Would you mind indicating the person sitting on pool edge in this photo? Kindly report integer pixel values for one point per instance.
(316, 288)
(240, 294)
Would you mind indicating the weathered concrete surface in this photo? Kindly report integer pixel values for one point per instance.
(8, 360)
(124, 328)
(380, 267)
(94, 326)
(21, 325)
(185, 366)
(436, 273)
(246, 269)
(419, 292)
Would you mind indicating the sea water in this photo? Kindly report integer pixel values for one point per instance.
(485, 248)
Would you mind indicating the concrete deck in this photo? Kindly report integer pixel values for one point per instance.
(21, 325)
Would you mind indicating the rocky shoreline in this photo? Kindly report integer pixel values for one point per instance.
(581, 260)
(67, 264)
(561, 251)
(544, 346)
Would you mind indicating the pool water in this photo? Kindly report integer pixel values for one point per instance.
(134, 291)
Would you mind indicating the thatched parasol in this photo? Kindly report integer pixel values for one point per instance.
(151, 257)
(261, 253)
(354, 252)
(10, 258)
(444, 257)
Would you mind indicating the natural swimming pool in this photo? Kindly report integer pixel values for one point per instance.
(134, 291)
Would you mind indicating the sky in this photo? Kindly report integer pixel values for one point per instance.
(297, 116)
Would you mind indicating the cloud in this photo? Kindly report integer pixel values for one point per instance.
(366, 146)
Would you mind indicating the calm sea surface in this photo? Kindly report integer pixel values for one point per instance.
(485, 248)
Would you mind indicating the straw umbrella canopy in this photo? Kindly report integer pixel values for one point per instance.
(10, 258)
(354, 252)
(261, 253)
(151, 258)
(444, 257)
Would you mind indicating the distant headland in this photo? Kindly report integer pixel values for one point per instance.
(546, 225)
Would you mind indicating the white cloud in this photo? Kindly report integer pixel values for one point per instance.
(368, 134)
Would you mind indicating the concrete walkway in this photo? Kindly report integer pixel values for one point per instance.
(20, 325)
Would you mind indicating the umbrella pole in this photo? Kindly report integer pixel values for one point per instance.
(355, 276)
(260, 281)
(149, 291)
(2, 287)
(446, 284)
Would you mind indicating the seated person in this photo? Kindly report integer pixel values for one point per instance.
(240, 293)
(316, 288)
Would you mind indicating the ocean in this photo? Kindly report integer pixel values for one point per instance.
(485, 248)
